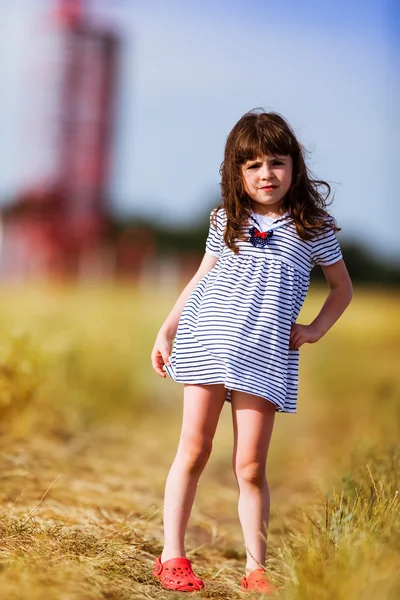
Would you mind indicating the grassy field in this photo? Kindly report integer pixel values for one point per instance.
(88, 432)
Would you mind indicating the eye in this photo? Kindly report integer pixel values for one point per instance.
(254, 166)
(278, 162)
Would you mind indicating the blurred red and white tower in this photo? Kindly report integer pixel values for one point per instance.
(57, 228)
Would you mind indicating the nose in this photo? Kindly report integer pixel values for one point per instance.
(265, 171)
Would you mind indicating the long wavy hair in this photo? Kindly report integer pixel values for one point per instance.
(256, 134)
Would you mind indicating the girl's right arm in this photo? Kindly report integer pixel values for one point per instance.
(162, 346)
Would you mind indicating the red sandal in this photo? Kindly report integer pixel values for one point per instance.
(258, 581)
(177, 574)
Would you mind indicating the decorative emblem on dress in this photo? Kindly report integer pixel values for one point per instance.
(257, 238)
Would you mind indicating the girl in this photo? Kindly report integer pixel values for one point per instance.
(235, 330)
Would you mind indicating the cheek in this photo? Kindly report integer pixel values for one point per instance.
(290, 173)
(246, 184)
(250, 180)
(288, 179)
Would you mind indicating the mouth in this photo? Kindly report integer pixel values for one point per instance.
(269, 187)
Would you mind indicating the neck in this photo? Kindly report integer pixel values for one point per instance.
(268, 211)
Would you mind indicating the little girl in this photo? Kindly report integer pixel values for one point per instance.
(235, 330)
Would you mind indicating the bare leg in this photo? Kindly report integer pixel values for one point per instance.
(253, 420)
(201, 410)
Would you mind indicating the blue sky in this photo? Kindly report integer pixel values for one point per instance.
(191, 69)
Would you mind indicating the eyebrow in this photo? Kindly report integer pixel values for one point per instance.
(276, 157)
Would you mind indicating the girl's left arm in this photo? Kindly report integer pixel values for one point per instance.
(339, 297)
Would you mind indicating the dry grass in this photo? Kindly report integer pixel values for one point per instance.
(88, 434)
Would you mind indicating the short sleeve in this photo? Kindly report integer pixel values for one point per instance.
(325, 249)
(215, 239)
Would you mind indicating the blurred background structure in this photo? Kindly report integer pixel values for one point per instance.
(114, 118)
(57, 227)
(60, 224)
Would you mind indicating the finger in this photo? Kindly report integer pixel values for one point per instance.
(161, 367)
(294, 338)
(160, 372)
(295, 334)
(295, 341)
(165, 356)
(157, 363)
(155, 359)
(302, 339)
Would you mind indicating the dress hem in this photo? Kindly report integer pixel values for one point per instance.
(230, 388)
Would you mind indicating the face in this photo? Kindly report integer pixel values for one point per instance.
(267, 180)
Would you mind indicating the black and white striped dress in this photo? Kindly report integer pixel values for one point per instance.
(235, 327)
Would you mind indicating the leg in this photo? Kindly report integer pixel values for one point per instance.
(201, 410)
(253, 420)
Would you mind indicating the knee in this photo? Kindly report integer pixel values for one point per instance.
(250, 472)
(193, 453)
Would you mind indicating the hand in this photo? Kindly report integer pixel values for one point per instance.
(301, 334)
(160, 353)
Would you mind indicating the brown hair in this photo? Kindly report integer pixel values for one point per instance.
(259, 133)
